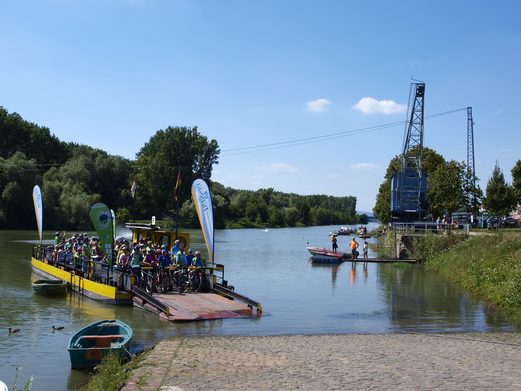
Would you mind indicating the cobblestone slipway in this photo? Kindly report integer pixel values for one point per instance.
(478, 361)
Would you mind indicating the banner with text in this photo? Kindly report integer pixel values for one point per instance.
(203, 204)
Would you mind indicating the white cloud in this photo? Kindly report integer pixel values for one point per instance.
(364, 166)
(317, 106)
(369, 105)
(279, 167)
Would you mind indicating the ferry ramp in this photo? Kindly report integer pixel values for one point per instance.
(194, 305)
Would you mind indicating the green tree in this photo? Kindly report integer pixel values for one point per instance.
(169, 151)
(220, 206)
(188, 215)
(35, 142)
(472, 192)
(516, 181)
(445, 188)
(291, 216)
(18, 176)
(122, 215)
(275, 216)
(382, 206)
(499, 199)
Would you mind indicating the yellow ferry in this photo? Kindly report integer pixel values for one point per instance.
(101, 282)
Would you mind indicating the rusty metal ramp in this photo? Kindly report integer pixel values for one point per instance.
(190, 306)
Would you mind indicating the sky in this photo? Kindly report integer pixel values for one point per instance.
(112, 73)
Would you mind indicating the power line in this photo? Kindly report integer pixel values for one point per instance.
(325, 137)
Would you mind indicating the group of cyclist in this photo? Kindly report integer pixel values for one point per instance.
(161, 269)
(151, 264)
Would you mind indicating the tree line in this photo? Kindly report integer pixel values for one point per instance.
(73, 176)
(451, 187)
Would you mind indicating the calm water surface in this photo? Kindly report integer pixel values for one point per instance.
(272, 267)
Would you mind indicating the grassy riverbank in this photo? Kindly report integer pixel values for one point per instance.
(111, 374)
(488, 265)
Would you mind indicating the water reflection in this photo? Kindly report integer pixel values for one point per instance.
(424, 301)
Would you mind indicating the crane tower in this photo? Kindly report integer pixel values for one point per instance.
(470, 146)
(409, 185)
(471, 167)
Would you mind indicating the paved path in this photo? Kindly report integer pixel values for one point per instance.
(488, 361)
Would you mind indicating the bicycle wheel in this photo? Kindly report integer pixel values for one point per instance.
(176, 281)
(149, 283)
(165, 282)
(195, 281)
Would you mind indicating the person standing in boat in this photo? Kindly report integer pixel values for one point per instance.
(365, 249)
(354, 245)
(334, 243)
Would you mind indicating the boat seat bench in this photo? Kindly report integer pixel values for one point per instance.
(102, 341)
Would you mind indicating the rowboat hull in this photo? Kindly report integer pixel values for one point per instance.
(50, 287)
(326, 256)
(90, 344)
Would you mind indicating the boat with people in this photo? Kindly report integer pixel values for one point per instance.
(344, 230)
(362, 232)
(151, 269)
(325, 255)
(88, 346)
(50, 287)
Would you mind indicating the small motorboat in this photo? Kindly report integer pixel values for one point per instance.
(50, 287)
(89, 345)
(345, 231)
(325, 255)
(362, 233)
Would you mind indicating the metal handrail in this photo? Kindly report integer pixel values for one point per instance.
(223, 290)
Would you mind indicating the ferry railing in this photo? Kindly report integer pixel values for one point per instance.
(237, 296)
(91, 269)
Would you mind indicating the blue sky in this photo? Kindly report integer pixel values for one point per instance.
(247, 73)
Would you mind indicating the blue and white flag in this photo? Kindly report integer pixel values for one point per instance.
(203, 205)
(38, 209)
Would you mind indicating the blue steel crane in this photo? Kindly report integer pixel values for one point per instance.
(409, 185)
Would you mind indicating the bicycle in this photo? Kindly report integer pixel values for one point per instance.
(195, 279)
(179, 279)
(165, 279)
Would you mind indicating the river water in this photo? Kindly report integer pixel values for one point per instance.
(271, 266)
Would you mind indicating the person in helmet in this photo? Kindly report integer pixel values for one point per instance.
(164, 259)
(198, 261)
(190, 256)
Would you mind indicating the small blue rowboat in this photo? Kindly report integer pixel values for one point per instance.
(89, 345)
(50, 287)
